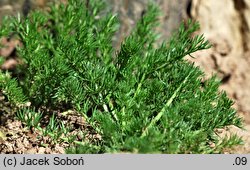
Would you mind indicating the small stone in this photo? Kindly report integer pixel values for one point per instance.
(25, 142)
(47, 151)
(41, 150)
(31, 151)
(19, 143)
(59, 149)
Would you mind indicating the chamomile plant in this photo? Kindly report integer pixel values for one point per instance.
(142, 98)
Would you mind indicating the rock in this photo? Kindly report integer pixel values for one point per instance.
(226, 24)
(41, 150)
(59, 149)
(172, 13)
(31, 151)
(9, 64)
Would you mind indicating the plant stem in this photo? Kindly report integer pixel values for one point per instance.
(159, 115)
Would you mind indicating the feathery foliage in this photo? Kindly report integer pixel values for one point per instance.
(143, 98)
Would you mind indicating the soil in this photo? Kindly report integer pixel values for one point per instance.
(17, 138)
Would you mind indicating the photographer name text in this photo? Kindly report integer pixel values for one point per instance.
(44, 161)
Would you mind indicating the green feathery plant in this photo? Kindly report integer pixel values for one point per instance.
(29, 116)
(55, 129)
(143, 98)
